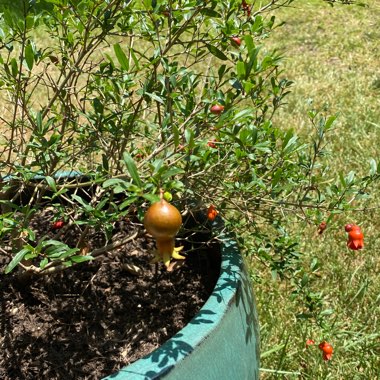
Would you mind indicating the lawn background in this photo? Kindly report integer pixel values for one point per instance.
(333, 57)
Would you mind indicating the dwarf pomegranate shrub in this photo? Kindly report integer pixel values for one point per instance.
(106, 102)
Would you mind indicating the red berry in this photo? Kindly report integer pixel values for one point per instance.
(355, 234)
(322, 227)
(355, 244)
(309, 342)
(212, 144)
(217, 109)
(348, 227)
(246, 8)
(57, 225)
(236, 40)
(326, 347)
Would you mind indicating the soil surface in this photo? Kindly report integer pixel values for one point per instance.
(90, 320)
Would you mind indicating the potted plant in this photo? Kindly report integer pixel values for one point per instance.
(106, 103)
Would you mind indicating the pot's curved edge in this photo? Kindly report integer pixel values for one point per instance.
(215, 324)
(59, 175)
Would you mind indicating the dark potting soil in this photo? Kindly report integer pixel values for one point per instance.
(90, 320)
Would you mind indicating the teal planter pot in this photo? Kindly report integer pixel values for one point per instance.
(220, 343)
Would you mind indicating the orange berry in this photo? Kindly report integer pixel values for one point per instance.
(212, 213)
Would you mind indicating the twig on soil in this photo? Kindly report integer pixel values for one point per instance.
(110, 247)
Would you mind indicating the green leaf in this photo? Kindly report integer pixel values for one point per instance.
(54, 138)
(221, 71)
(30, 22)
(121, 57)
(258, 24)
(314, 265)
(172, 172)
(216, 52)
(14, 67)
(175, 135)
(39, 122)
(98, 106)
(157, 165)
(85, 205)
(118, 185)
(330, 122)
(30, 256)
(263, 147)
(244, 113)
(51, 182)
(155, 97)
(105, 162)
(342, 179)
(326, 312)
(43, 263)
(249, 42)
(16, 260)
(252, 60)
(254, 133)
(350, 178)
(373, 165)
(189, 137)
(152, 198)
(210, 13)
(128, 202)
(60, 252)
(80, 259)
(132, 169)
(278, 175)
(290, 146)
(29, 56)
(60, 192)
(113, 182)
(240, 68)
(51, 242)
(58, 2)
(135, 60)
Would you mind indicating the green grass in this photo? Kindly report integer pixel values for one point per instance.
(332, 55)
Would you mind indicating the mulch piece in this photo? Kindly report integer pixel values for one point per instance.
(92, 319)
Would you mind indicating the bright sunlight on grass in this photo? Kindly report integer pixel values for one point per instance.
(332, 55)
